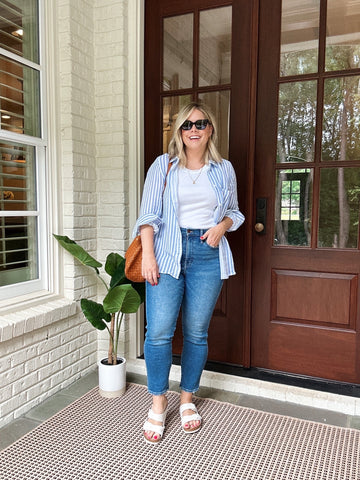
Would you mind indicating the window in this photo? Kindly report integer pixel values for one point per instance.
(290, 200)
(22, 150)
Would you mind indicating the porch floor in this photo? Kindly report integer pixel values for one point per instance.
(19, 427)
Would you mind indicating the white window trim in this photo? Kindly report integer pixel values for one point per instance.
(135, 81)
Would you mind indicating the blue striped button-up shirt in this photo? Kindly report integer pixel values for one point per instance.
(159, 209)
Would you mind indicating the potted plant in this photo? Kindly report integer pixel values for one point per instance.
(122, 297)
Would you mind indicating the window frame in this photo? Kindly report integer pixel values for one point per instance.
(41, 284)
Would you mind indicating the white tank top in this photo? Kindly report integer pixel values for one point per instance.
(197, 199)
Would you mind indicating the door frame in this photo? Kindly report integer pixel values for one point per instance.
(251, 26)
(241, 135)
(136, 83)
(135, 140)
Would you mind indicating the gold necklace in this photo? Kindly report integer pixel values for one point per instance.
(197, 176)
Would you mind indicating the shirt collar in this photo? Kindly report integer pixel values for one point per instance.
(176, 160)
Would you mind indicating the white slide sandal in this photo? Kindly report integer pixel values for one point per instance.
(159, 429)
(188, 418)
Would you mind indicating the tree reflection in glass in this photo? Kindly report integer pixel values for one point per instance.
(339, 207)
(341, 123)
(296, 122)
(340, 187)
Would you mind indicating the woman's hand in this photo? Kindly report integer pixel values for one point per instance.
(214, 234)
(149, 266)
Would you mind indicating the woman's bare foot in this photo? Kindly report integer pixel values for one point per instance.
(186, 397)
(159, 406)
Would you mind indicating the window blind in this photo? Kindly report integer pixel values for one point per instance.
(18, 210)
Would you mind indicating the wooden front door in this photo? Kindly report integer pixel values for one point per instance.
(189, 55)
(282, 77)
(306, 261)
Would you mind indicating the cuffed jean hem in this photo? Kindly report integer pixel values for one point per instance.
(158, 394)
(189, 391)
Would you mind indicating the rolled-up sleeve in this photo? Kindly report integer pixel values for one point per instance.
(233, 211)
(151, 203)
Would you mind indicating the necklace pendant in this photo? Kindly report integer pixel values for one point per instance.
(194, 180)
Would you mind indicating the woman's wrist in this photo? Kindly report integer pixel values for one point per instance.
(226, 223)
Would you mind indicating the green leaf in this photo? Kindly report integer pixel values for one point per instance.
(114, 261)
(118, 278)
(115, 267)
(122, 298)
(95, 313)
(77, 251)
(132, 300)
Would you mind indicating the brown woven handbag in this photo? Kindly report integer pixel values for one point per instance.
(133, 255)
(133, 258)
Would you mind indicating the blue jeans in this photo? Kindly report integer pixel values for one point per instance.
(196, 292)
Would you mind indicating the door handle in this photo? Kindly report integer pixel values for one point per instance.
(260, 221)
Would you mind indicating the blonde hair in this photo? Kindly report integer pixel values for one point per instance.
(176, 145)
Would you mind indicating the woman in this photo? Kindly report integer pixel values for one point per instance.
(189, 202)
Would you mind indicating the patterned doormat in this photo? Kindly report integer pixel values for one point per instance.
(101, 439)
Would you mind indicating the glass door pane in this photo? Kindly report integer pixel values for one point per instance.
(171, 107)
(293, 207)
(299, 37)
(178, 52)
(219, 102)
(215, 46)
(343, 35)
(341, 123)
(197, 43)
(296, 121)
(339, 207)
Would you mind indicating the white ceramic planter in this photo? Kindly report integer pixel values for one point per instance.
(112, 378)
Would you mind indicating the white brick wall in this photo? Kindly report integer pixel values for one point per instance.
(35, 364)
(111, 125)
(45, 348)
(111, 136)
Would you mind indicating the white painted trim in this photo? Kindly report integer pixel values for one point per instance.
(135, 82)
(54, 196)
(19, 59)
(22, 138)
(18, 213)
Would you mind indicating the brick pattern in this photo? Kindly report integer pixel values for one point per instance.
(111, 125)
(36, 365)
(77, 123)
(110, 26)
(46, 348)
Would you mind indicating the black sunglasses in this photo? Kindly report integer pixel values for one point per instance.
(199, 124)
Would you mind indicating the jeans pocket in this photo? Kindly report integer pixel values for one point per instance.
(209, 246)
